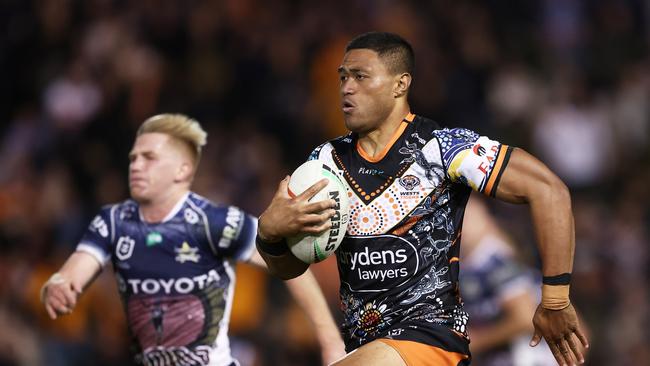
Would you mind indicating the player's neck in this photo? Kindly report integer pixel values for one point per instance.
(159, 209)
(373, 142)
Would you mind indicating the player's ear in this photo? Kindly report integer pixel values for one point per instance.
(185, 171)
(402, 85)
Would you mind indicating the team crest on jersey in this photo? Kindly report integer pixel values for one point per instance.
(191, 216)
(124, 247)
(186, 253)
(409, 182)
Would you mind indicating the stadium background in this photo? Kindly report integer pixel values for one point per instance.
(568, 80)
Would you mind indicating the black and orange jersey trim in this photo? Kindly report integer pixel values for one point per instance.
(503, 156)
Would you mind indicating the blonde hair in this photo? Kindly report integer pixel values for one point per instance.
(181, 127)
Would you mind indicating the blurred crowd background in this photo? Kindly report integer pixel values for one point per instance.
(567, 80)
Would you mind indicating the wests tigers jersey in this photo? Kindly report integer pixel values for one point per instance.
(176, 277)
(398, 262)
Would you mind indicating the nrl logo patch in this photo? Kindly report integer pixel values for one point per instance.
(409, 182)
(186, 253)
(124, 247)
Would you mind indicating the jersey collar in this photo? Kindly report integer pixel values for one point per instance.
(396, 135)
(177, 207)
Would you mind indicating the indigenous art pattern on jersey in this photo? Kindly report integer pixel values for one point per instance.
(398, 263)
(175, 277)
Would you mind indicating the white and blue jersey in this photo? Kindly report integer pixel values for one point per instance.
(176, 277)
(491, 276)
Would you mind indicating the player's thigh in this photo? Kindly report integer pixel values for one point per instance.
(375, 353)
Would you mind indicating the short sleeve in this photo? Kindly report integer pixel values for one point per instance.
(233, 231)
(98, 238)
(473, 160)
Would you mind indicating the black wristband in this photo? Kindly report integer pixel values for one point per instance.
(559, 280)
(276, 249)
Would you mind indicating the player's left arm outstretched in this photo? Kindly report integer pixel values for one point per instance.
(306, 291)
(525, 179)
(60, 293)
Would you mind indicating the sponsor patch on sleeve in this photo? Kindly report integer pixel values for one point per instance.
(473, 160)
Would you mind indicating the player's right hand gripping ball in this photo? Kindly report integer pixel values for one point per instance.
(315, 248)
